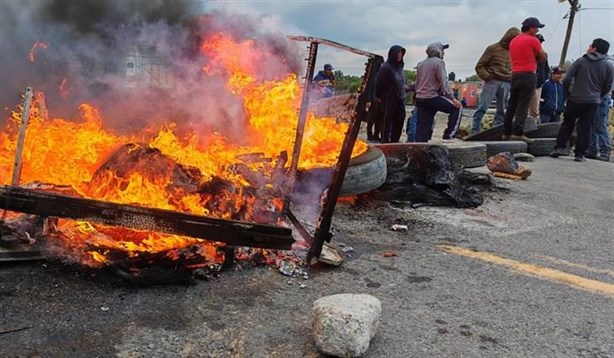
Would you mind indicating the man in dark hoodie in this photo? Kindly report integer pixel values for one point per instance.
(433, 94)
(588, 81)
(390, 92)
(525, 52)
(495, 69)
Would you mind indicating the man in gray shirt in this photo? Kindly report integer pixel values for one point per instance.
(588, 81)
(433, 94)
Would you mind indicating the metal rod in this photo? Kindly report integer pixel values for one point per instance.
(334, 44)
(302, 119)
(21, 137)
(299, 227)
(331, 194)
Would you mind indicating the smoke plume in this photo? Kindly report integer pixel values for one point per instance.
(92, 47)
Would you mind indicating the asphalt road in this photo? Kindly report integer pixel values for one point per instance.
(528, 274)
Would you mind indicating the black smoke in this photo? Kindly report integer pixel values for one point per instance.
(91, 42)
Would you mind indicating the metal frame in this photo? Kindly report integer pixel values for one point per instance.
(234, 233)
(331, 194)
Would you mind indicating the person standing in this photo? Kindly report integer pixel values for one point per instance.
(325, 82)
(601, 145)
(495, 69)
(542, 74)
(433, 94)
(552, 102)
(375, 120)
(390, 92)
(588, 81)
(525, 51)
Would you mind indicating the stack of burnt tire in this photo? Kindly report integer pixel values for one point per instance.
(544, 136)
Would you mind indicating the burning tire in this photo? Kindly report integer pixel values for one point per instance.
(365, 172)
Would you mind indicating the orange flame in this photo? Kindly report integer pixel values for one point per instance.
(38, 45)
(71, 152)
(64, 92)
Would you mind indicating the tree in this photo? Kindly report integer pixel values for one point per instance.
(347, 83)
(410, 76)
(473, 77)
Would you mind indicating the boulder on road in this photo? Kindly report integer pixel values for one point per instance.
(344, 324)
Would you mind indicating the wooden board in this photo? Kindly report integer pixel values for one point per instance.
(235, 233)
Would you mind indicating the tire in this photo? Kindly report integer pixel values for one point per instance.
(365, 172)
(542, 146)
(493, 133)
(496, 147)
(546, 130)
(467, 155)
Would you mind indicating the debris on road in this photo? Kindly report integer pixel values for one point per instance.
(524, 157)
(503, 165)
(399, 227)
(390, 254)
(330, 256)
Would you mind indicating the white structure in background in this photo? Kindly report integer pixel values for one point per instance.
(145, 69)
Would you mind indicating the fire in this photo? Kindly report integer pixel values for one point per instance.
(74, 153)
(38, 45)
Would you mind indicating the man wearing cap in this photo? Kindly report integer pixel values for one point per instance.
(552, 103)
(325, 81)
(587, 83)
(525, 51)
(495, 69)
(433, 94)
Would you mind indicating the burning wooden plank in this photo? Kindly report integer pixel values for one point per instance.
(236, 233)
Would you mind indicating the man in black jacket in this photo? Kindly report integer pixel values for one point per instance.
(390, 92)
(591, 76)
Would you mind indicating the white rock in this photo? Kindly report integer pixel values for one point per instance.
(344, 324)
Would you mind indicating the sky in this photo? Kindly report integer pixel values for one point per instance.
(467, 25)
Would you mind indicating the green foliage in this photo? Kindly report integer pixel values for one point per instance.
(471, 78)
(347, 83)
(410, 76)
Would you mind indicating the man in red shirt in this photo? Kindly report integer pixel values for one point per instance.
(525, 51)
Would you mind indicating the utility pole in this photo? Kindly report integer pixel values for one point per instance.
(575, 6)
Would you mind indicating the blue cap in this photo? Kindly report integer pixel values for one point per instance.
(328, 66)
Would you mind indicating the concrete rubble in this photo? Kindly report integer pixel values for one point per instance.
(344, 324)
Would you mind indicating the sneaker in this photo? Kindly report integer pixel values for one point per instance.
(522, 138)
(506, 137)
(451, 140)
(579, 158)
(557, 152)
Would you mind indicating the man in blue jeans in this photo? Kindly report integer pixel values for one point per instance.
(411, 126)
(601, 145)
(495, 69)
(433, 94)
